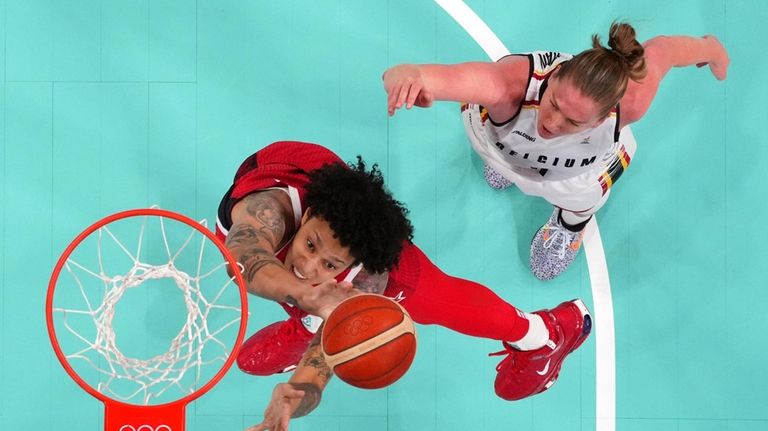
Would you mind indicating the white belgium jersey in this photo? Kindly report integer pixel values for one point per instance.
(592, 159)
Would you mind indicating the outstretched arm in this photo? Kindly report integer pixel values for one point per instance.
(303, 391)
(301, 394)
(262, 222)
(662, 54)
(489, 84)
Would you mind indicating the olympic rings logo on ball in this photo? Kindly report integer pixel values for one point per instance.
(358, 325)
(145, 428)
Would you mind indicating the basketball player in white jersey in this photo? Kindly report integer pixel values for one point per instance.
(554, 124)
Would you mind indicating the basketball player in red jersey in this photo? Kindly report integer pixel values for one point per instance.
(555, 124)
(310, 231)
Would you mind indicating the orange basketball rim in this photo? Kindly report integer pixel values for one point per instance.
(108, 362)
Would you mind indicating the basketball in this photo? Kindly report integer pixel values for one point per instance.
(369, 341)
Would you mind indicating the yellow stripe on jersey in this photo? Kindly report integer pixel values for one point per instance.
(609, 177)
(483, 114)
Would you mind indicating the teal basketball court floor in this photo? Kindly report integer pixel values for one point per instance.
(110, 105)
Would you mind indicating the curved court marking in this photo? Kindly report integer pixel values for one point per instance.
(605, 346)
(605, 342)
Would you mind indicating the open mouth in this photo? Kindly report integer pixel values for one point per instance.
(298, 274)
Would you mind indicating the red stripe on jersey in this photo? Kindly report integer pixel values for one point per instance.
(531, 103)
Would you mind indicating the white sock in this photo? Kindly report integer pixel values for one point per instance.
(537, 335)
(573, 219)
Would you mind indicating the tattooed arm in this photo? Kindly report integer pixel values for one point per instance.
(303, 391)
(262, 222)
(301, 394)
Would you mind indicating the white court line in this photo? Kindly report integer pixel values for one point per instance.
(605, 346)
(476, 28)
(605, 340)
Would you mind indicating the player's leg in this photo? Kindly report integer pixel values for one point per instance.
(435, 298)
(576, 200)
(536, 344)
(555, 245)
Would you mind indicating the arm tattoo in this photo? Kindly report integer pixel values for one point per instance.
(371, 283)
(255, 258)
(243, 240)
(243, 235)
(268, 211)
(311, 399)
(314, 358)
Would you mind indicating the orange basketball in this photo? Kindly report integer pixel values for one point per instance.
(369, 341)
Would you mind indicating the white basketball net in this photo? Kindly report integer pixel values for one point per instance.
(151, 377)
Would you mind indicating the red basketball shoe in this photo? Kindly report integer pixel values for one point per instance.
(276, 348)
(525, 373)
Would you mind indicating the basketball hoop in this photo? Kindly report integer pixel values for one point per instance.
(146, 391)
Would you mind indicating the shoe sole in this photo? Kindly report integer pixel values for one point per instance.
(586, 317)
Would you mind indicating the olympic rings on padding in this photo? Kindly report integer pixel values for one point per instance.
(145, 428)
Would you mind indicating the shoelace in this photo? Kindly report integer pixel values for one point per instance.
(558, 231)
(508, 350)
(554, 348)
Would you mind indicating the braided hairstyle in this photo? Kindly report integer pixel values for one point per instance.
(361, 212)
(602, 73)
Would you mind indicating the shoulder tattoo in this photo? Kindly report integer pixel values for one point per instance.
(371, 283)
(268, 212)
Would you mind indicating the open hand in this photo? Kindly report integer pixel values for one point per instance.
(404, 85)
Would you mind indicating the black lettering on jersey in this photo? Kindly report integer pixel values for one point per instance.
(513, 153)
(542, 159)
(525, 156)
(569, 163)
(524, 135)
(543, 172)
(585, 162)
(547, 58)
(499, 145)
(554, 163)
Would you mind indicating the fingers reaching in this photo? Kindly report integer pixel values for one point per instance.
(405, 87)
(719, 61)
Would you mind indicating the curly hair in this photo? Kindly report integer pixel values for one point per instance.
(361, 211)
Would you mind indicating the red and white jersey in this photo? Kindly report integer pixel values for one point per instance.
(283, 165)
(516, 145)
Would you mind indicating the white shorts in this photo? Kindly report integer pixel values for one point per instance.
(583, 194)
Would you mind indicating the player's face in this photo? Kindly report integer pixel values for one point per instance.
(564, 110)
(315, 255)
